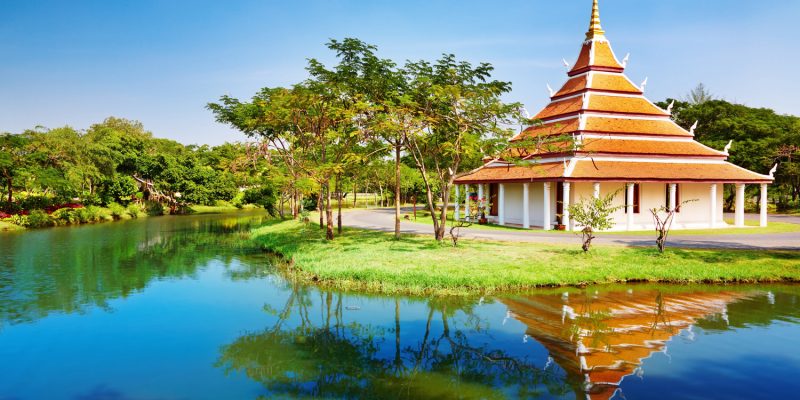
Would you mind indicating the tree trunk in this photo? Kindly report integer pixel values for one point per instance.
(397, 192)
(319, 207)
(328, 213)
(280, 209)
(339, 205)
(380, 187)
(442, 226)
(10, 184)
(355, 194)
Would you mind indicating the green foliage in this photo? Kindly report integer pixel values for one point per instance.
(119, 188)
(593, 214)
(38, 219)
(65, 216)
(117, 210)
(761, 138)
(134, 210)
(153, 208)
(263, 196)
(20, 220)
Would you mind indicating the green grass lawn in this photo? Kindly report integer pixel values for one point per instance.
(753, 228)
(7, 227)
(374, 261)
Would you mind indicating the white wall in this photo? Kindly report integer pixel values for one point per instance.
(693, 215)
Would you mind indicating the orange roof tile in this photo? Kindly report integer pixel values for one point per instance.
(513, 173)
(583, 57)
(648, 147)
(623, 104)
(551, 128)
(658, 172)
(604, 56)
(662, 127)
(615, 82)
(573, 85)
(557, 108)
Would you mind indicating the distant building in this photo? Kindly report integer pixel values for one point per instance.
(600, 135)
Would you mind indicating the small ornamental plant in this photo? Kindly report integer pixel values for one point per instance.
(662, 219)
(593, 214)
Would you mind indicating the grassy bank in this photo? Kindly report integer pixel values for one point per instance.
(374, 261)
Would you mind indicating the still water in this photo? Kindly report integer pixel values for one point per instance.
(184, 308)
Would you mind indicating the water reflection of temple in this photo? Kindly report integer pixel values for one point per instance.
(601, 339)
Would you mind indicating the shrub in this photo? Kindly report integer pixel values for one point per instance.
(102, 214)
(36, 202)
(154, 208)
(237, 200)
(19, 219)
(134, 210)
(117, 210)
(263, 196)
(83, 215)
(39, 219)
(64, 216)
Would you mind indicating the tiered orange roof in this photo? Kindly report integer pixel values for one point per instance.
(600, 113)
(604, 338)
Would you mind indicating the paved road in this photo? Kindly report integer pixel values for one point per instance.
(383, 219)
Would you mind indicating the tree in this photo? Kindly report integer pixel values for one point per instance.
(453, 116)
(662, 219)
(593, 215)
(758, 134)
(699, 95)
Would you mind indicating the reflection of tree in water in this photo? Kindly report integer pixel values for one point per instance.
(325, 357)
(70, 269)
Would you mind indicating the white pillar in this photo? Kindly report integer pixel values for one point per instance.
(629, 208)
(673, 194)
(501, 204)
(467, 212)
(480, 198)
(526, 220)
(596, 190)
(713, 208)
(739, 211)
(546, 208)
(457, 213)
(565, 218)
(673, 200)
(763, 216)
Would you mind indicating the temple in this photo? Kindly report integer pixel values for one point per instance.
(600, 135)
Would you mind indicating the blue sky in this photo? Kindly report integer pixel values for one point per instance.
(77, 62)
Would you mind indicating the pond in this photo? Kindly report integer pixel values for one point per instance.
(184, 308)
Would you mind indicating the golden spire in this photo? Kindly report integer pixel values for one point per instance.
(595, 30)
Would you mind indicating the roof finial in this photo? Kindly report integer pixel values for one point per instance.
(595, 30)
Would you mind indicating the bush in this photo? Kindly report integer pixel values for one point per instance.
(237, 200)
(83, 215)
(19, 219)
(39, 219)
(10, 207)
(117, 210)
(263, 196)
(37, 202)
(101, 214)
(134, 210)
(64, 216)
(154, 208)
